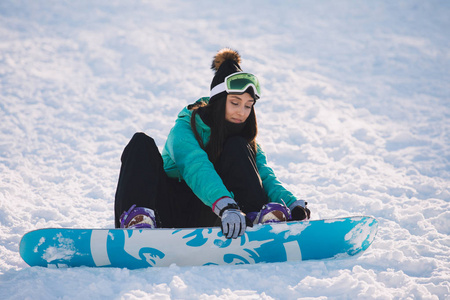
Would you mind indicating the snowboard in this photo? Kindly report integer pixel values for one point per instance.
(142, 248)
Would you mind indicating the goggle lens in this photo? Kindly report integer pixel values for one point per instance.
(240, 82)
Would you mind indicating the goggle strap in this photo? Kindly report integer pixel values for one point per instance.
(221, 87)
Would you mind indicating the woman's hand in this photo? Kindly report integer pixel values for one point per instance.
(233, 223)
(233, 219)
(300, 211)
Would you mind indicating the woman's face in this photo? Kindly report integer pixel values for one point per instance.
(238, 107)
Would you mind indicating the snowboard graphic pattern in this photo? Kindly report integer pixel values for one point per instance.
(142, 248)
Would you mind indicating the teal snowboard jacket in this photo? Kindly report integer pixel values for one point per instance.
(186, 160)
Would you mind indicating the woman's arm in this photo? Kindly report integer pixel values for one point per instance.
(193, 164)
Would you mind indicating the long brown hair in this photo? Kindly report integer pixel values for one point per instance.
(215, 112)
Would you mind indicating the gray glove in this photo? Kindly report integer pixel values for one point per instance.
(299, 211)
(233, 219)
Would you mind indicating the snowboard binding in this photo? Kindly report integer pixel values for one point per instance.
(138, 217)
(270, 213)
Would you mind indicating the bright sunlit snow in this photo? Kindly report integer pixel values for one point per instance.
(354, 118)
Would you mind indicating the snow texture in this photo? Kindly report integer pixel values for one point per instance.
(354, 117)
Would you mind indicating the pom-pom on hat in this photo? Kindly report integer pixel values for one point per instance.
(225, 62)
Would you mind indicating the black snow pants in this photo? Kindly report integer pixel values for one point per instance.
(143, 181)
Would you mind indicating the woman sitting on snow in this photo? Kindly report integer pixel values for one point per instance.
(211, 172)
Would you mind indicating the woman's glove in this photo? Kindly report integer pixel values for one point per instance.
(299, 211)
(233, 219)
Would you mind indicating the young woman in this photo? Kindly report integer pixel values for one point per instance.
(211, 172)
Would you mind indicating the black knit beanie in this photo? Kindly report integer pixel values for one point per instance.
(226, 62)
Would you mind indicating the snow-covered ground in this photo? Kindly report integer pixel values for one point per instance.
(354, 118)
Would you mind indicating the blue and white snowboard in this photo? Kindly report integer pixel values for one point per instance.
(137, 248)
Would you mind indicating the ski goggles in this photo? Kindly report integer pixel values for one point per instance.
(238, 83)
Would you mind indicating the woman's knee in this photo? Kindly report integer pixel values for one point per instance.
(142, 140)
(140, 137)
(140, 143)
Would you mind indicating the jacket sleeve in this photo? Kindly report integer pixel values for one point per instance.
(273, 187)
(193, 164)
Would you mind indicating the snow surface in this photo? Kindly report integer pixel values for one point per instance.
(354, 117)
